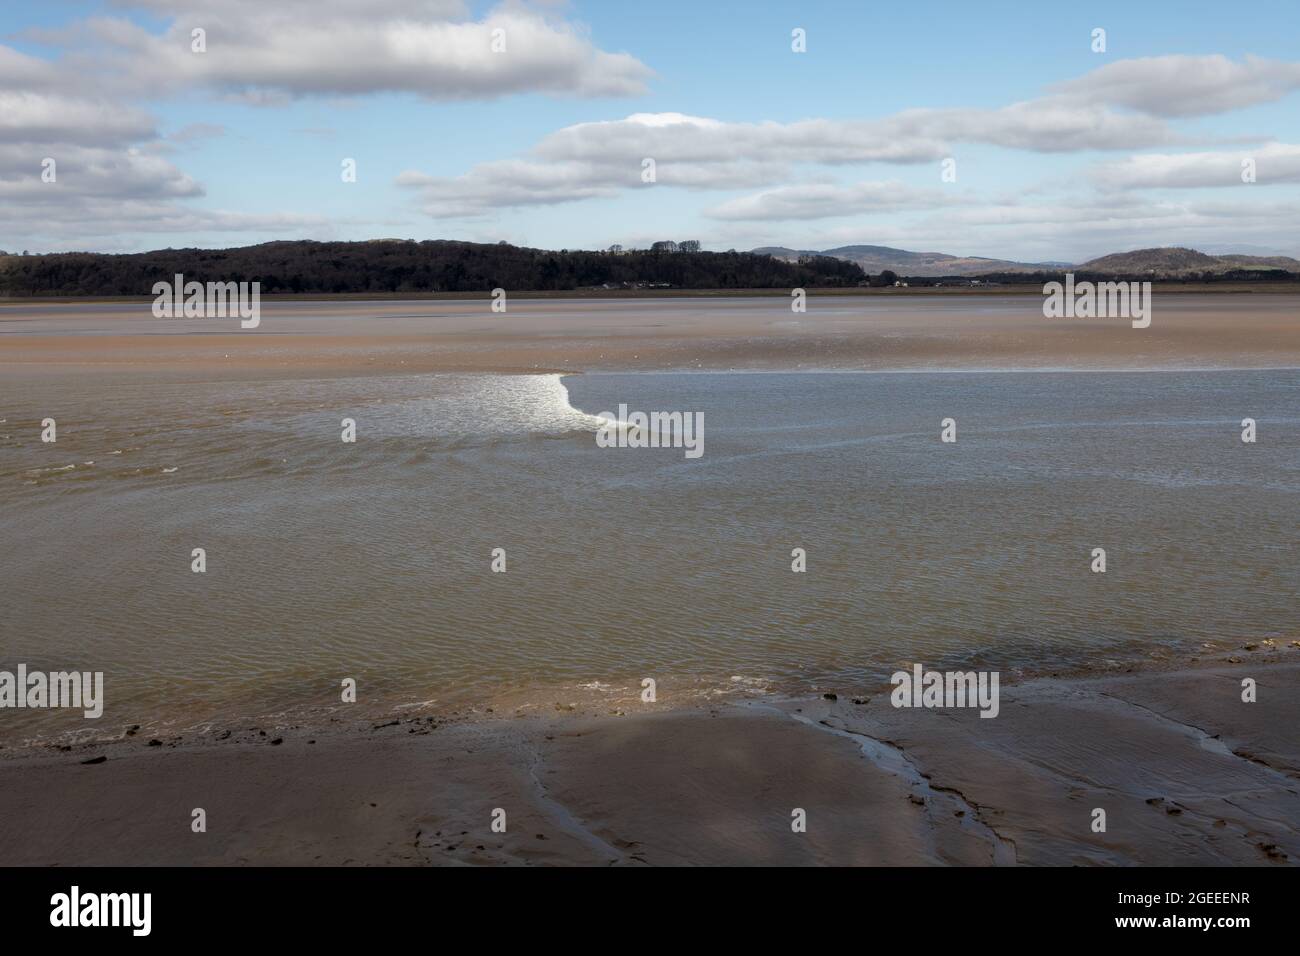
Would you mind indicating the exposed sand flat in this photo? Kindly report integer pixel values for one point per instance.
(1174, 793)
(1269, 736)
(353, 337)
(880, 785)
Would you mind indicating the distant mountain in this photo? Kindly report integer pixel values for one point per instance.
(875, 259)
(1166, 261)
(1175, 260)
(1262, 262)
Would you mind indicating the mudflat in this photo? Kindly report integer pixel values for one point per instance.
(1184, 771)
(842, 332)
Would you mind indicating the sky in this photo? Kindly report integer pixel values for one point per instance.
(1008, 130)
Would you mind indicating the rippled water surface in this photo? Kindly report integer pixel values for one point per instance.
(371, 560)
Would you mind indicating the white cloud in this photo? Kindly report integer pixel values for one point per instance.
(1047, 125)
(678, 138)
(1274, 163)
(118, 223)
(32, 116)
(829, 200)
(913, 136)
(266, 52)
(1176, 86)
(82, 171)
(601, 158)
(104, 153)
(505, 183)
(108, 174)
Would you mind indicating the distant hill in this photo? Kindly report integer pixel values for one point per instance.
(1171, 261)
(1176, 260)
(874, 259)
(395, 266)
(1261, 262)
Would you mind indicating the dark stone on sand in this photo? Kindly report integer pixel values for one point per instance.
(99, 759)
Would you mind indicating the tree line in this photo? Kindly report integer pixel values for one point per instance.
(396, 266)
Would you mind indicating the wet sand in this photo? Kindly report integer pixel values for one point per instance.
(1186, 772)
(841, 332)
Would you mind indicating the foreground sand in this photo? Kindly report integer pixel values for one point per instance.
(1186, 772)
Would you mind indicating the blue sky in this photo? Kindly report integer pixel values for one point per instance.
(156, 145)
